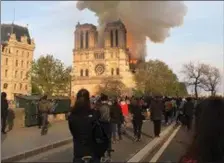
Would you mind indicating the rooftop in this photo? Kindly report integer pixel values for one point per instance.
(8, 29)
(86, 25)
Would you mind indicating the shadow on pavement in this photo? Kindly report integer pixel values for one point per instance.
(3, 137)
(146, 135)
(10, 119)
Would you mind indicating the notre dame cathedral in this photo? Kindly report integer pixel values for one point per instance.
(92, 65)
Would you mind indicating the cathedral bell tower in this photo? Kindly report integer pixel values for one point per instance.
(85, 36)
(115, 35)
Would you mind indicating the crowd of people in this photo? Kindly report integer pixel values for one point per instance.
(97, 122)
(112, 115)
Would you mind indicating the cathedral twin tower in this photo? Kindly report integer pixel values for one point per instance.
(93, 64)
(86, 36)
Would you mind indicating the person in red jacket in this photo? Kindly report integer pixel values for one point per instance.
(125, 112)
(124, 108)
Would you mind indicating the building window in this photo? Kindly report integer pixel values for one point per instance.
(6, 50)
(99, 55)
(16, 62)
(27, 64)
(81, 40)
(87, 72)
(21, 74)
(87, 40)
(22, 53)
(16, 72)
(21, 63)
(118, 71)
(111, 38)
(6, 61)
(25, 87)
(102, 56)
(81, 72)
(14, 86)
(116, 37)
(17, 52)
(6, 73)
(112, 71)
(28, 54)
(5, 86)
(20, 86)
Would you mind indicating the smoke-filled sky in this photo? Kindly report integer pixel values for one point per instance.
(151, 19)
(199, 38)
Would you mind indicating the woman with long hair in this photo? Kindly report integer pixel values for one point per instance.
(208, 145)
(80, 125)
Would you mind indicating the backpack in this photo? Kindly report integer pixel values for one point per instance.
(100, 138)
(104, 113)
(168, 106)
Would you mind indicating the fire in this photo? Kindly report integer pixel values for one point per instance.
(133, 61)
(131, 44)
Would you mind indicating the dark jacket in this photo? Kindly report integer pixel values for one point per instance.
(80, 126)
(137, 113)
(4, 107)
(116, 114)
(156, 109)
(189, 109)
(45, 106)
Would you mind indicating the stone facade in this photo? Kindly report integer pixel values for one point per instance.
(92, 64)
(16, 58)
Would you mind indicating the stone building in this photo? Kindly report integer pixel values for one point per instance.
(16, 57)
(93, 64)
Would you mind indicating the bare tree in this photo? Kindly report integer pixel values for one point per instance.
(211, 79)
(193, 75)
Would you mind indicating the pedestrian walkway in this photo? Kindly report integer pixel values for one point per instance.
(124, 150)
(178, 146)
(25, 139)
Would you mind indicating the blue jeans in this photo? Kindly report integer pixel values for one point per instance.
(114, 130)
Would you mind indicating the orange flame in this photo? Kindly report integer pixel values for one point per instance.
(133, 61)
(131, 45)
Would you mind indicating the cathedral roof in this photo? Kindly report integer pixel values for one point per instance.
(85, 25)
(116, 23)
(19, 31)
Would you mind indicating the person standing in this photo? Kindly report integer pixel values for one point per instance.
(4, 110)
(39, 116)
(105, 120)
(80, 123)
(174, 108)
(116, 120)
(180, 111)
(125, 113)
(157, 107)
(189, 112)
(45, 107)
(168, 110)
(137, 120)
